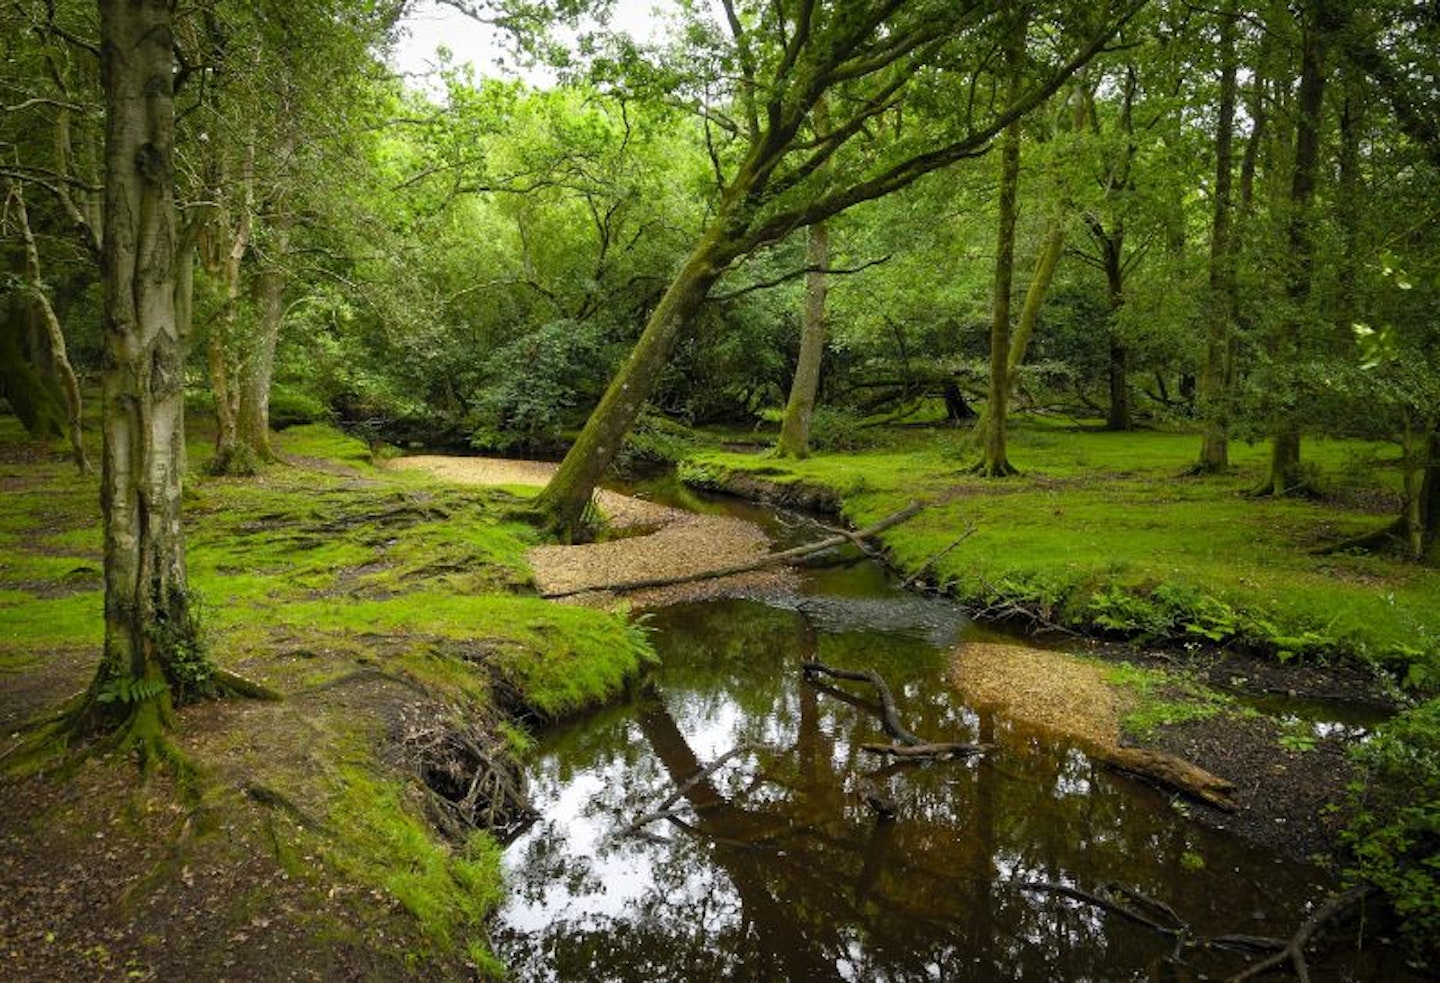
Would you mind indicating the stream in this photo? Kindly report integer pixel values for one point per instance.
(776, 868)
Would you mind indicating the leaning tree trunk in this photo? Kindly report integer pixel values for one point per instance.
(1216, 373)
(563, 503)
(1286, 476)
(795, 427)
(151, 651)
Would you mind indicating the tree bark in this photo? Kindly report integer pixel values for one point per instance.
(994, 459)
(1286, 476)
(254, 411)
(564, 501)
(1217, 371)
(799, 408)
(42, 313)
(228, 351)
(151, 652)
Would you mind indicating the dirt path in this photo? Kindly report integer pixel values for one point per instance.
(659, 541)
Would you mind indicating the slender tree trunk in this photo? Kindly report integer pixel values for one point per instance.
(43, 313)
(1286, 476)
(254, 416)
(229, 352)
(1117, 416)
(1045, 265)
(1421, 521)
(795, 427)
(1216, 373)
(994, 460)
(151, 649)
(565, 500)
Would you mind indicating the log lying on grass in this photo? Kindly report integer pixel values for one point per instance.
(760, 563)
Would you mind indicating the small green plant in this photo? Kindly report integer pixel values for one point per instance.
(1192, 861)
(127, 690)
(1394, 828)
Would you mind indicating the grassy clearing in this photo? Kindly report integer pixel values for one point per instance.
(363, 595)
(1103, 532)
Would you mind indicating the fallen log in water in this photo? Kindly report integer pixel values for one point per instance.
(768, 560)
(927, 752)
(1171, 772)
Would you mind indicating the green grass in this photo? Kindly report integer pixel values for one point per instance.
(305, 573)
(1097, 518)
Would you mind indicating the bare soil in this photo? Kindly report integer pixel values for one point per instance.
(657, 541)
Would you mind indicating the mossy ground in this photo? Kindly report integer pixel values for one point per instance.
(375, 601)
(1105, 532)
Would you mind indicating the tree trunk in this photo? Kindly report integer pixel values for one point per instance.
(795, 427)
(151, 650)
(564, 501)
(1045, 265)
(1117, 416)
(994, 460)
(229, 353)
(1286, 476)
(1422, 488)
(54, 338)
(254, 417)
(1217, 371)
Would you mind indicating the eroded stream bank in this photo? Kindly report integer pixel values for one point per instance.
(776, 868)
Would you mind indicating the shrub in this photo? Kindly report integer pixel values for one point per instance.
(833, 429)
(1394, 827)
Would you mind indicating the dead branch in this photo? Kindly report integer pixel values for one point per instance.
(1099, 900)
(666, 808)
(768, 560)
(927, 752)
(1294, 950)
(925, 567)
(889, 716)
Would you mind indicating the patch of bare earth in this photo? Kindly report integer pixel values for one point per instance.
(668, 542)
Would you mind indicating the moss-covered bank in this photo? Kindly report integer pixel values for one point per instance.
(391, 611)
(1102, 532)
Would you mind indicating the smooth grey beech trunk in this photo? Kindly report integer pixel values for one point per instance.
(148, 626)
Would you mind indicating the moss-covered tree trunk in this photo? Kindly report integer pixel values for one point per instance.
(800, 407)
(259, 375)
(228, 351)
(994, 458)
(563, 503)
(1117, 415)
(1422, 489)
(1287, 349)
(150, 649)
(1217, 370)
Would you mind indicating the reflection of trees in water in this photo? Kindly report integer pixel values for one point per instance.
(779, 873)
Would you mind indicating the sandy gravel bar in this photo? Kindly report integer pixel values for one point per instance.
(1049, 691)
(667, 542)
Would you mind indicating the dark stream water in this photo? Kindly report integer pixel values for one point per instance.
(776, 869)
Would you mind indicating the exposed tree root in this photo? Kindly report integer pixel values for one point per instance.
(238, 685)
(473, 781)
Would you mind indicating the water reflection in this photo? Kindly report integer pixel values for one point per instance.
(774, 868)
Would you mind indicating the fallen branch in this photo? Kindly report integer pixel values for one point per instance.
(1114, 907)
(925, 567)
(768, 560)
(666, 809)
(233, 682)
(927, 752)
(1294, 950)
(889, 716)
